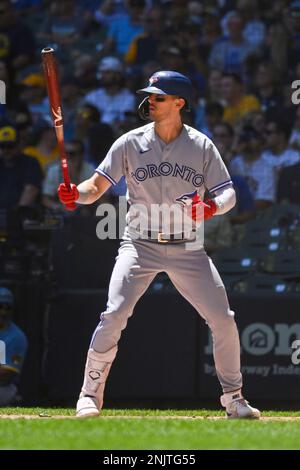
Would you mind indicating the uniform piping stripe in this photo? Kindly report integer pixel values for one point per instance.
(106, 176)
(93, 337)
(219, 186)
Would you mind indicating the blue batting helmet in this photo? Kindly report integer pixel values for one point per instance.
(168, 82)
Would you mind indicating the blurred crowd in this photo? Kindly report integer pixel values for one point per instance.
(241, 55)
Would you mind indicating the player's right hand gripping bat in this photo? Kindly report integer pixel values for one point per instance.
(51, 75)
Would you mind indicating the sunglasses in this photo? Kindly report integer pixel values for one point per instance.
(159, 99)
(248, 137)
(268, 132)
(72, 153)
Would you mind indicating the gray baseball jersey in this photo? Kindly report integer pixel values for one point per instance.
(159, 173)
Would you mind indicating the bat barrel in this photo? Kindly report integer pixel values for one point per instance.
(51, 75)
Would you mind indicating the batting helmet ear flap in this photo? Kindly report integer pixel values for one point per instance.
(143, 109)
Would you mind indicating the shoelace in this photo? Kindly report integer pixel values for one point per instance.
(243, 401)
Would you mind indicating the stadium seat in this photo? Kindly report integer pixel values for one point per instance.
(282, 262)
(230, 261)
(263, 284)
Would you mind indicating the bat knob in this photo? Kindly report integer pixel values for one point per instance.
(47, 50)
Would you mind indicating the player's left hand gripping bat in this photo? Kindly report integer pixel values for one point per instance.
(51, 75)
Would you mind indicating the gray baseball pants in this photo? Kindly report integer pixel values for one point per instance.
(194, 276)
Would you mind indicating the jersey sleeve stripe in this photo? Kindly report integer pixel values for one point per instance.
(110, 179)
(219, 186)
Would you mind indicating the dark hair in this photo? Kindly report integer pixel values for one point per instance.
(227, 126)
(39, 128)
(94, 113)
(235, 77)
(78, 143)
(214, 108)
(282, 126)
(248, 132)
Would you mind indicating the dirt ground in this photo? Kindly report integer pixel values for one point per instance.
(45, 416)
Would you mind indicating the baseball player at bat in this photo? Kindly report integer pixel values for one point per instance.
(164, 162)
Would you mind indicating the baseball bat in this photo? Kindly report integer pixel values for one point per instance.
(51, 75)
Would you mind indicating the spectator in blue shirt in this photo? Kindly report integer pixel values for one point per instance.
(13, 347)
(229, 54)
(223, 137)
(124, 27)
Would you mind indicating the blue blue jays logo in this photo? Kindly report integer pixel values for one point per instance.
(188, 199)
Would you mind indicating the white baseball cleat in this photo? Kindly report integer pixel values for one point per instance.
(237, 407)
(96, 371)
(87, 407)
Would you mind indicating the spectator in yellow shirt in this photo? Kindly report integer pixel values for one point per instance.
(238, 104)
(45, 148)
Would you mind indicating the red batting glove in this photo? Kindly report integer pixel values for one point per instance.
(203, 210)
(68, 197)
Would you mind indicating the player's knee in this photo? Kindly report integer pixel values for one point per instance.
(223, 319)
(116, 319)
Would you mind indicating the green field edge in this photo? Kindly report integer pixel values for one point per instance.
(40, 412)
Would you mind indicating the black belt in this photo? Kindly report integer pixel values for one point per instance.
(161, 237)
